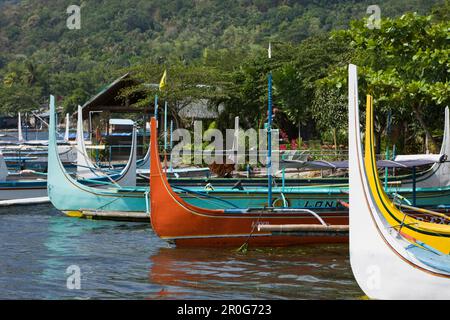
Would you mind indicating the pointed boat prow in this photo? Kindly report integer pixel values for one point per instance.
(385, 257)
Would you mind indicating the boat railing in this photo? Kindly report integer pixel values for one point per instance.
(283, 210)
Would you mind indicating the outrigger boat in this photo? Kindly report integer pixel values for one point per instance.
(16, 186)
(175, 220)
(73, 197)
(393, 254)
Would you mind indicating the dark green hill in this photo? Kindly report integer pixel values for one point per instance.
(40, 55)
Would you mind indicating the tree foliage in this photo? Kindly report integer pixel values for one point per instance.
(217, 50)
(404, 65)
(117, 34)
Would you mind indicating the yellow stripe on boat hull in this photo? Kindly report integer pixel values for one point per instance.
(434, 235)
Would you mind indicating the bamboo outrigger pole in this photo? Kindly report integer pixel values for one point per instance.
(303, 227)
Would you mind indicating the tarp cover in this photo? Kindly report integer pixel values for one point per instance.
(430, 157)
(321, 164)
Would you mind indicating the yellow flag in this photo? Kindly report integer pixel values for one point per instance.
(162, 83)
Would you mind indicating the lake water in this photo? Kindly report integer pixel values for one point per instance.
(120, 260)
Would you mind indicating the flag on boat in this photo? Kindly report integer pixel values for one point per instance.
(162, 83)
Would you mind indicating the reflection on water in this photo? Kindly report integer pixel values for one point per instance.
(127, 260)
(314, 272)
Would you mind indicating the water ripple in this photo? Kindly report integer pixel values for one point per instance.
(121, 260)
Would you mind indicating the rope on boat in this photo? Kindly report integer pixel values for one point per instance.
(108, 203)
(402, 198)
(205, 195)
(83, 180)
(113, 182)
(96, 168)
(48, 126)
(400, 209)
(244, 247)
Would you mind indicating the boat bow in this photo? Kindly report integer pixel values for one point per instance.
(381, 262)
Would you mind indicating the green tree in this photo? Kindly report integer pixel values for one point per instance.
(404, 65)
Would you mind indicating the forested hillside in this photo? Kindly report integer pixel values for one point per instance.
(39, 55)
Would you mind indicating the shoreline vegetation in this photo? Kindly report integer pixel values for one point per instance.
(217, 50)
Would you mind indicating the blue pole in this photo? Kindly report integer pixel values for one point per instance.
(165, 125)
(269, 143)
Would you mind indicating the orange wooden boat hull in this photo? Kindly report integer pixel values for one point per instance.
(186, 225)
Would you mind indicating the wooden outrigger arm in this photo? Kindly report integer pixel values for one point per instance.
(303, 227)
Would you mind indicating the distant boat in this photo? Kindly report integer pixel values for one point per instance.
(14, 186)
(393, 254)
(19, 189)
(85, 165)
(32, 154)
